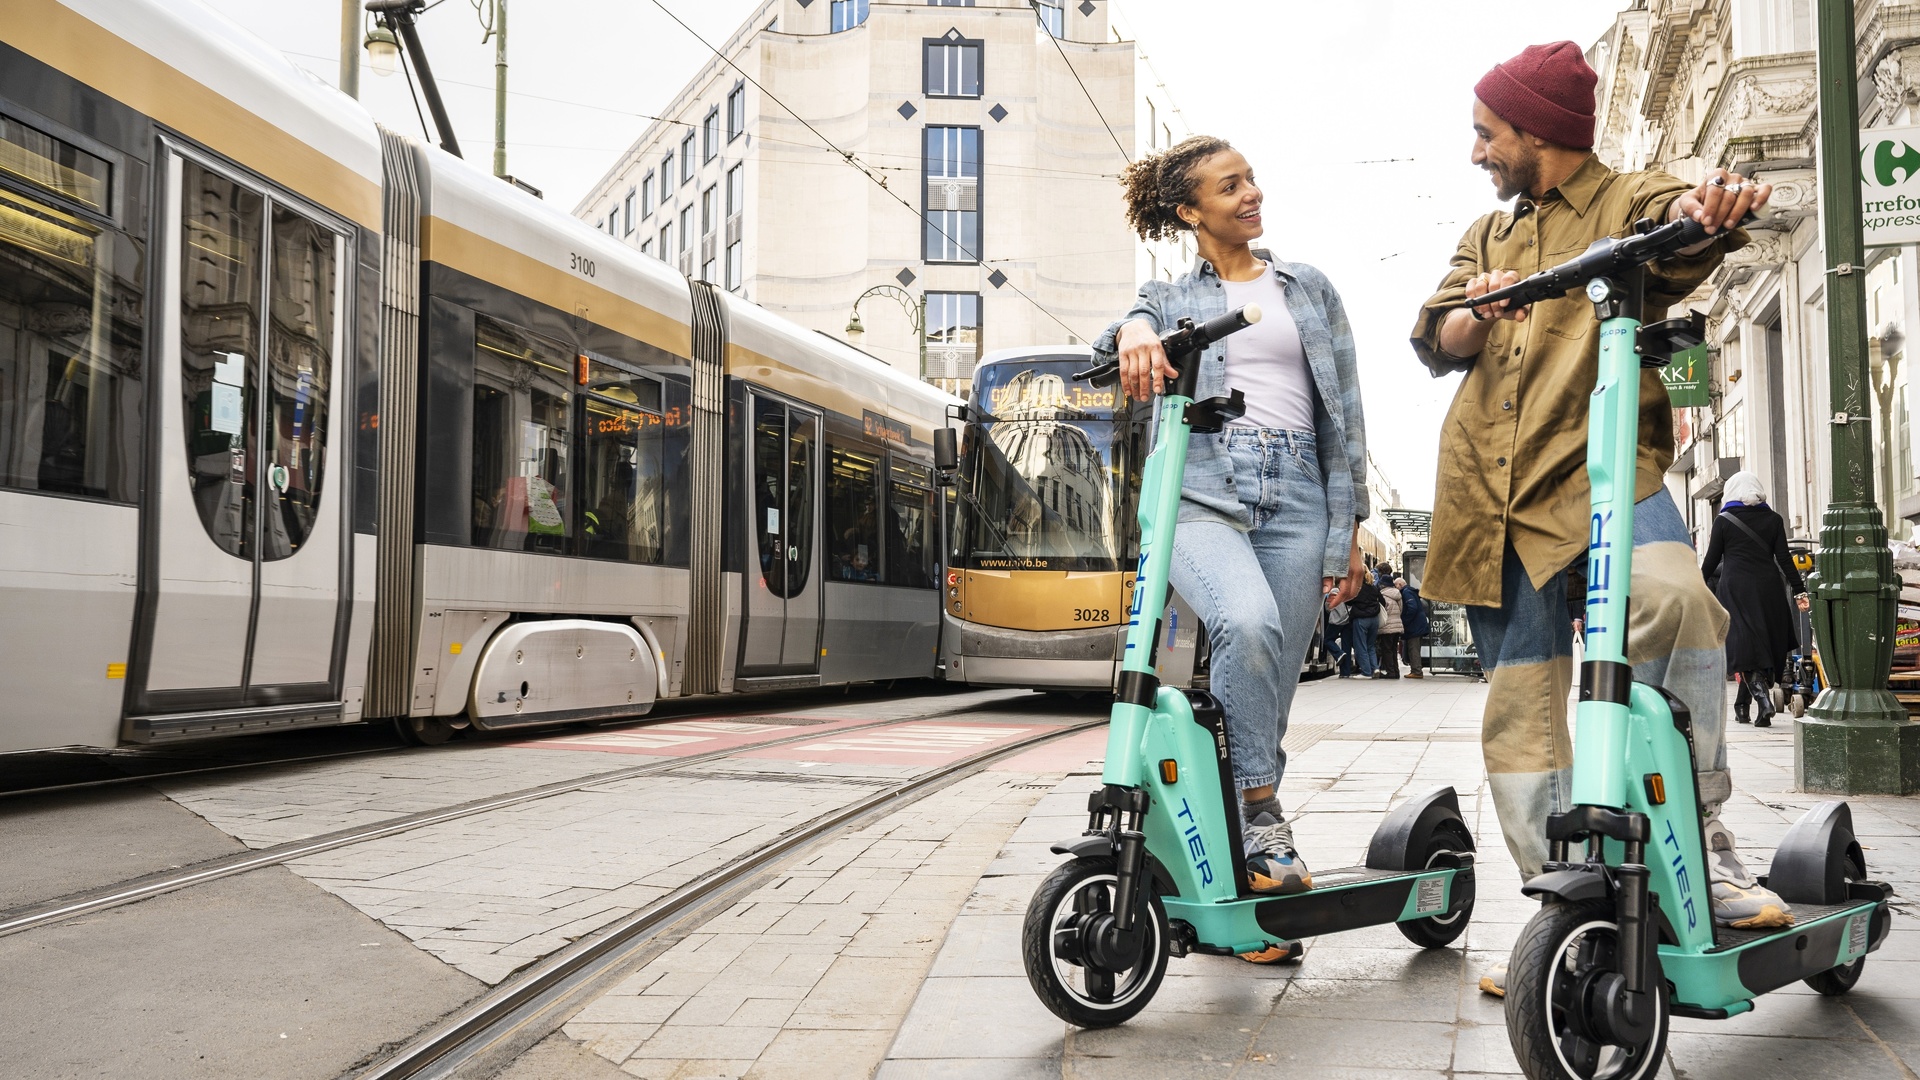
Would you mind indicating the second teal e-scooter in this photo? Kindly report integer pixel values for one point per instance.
(1161, 870)
(1625, 940)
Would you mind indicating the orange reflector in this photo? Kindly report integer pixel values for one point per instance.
(580, 370)
(1656, 789)
(1169, 770)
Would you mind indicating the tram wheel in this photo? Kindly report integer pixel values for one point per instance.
(423, 730)
(1073, 990)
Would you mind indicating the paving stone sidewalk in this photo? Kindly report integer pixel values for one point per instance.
(1369, 1005)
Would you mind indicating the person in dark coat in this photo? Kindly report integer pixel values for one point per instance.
(1747, 553)
(1413, 618)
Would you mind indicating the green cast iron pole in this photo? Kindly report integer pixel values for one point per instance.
(1856, 738)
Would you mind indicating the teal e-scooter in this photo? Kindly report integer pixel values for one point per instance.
(1161, 871)
(1624, 940)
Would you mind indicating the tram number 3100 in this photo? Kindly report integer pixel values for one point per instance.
(1099, 615)
(582, 265)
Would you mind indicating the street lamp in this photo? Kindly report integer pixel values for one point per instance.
(383, 51)
(916, 309)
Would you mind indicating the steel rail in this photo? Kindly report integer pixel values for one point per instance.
(512, 1006)
(138, 889)
(137, 778)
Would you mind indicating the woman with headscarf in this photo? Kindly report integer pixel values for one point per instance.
(1748, 551)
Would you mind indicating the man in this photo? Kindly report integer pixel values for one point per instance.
(1512, 497)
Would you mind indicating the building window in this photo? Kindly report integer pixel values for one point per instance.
(687, 163)
(848, 14)
(949, 3)
(1153, 125)
(952, 194)
(646, 195)
(736, 204)
(665, 250)
(710, 134)
(687, 240)
(709, 244)
(666, 175)
(613, 221)
(1053, 16)
(628, 218)
(737, 111)
(951, 67)
(953, 335)
(646, 247)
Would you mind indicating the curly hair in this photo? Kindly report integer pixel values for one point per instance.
(1158, 183)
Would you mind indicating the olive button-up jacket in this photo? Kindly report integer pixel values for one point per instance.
(1513, 448)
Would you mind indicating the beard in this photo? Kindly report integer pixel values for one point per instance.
(1516, 177)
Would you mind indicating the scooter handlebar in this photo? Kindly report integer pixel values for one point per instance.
(1607, 255)
(1183, 339)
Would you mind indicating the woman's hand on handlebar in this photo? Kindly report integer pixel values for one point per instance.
(1487, 282)
(1144, 368)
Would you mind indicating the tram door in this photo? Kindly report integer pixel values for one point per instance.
(782, 622)
(243, 578)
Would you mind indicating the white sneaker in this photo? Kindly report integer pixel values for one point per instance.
(1739, 901)
(1495, 980)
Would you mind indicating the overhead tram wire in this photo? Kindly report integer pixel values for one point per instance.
(1057, 47)
(879, 181)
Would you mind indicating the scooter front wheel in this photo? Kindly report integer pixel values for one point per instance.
(1551, 996)
(1069, 983)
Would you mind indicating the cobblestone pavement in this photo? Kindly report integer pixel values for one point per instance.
(1367, 1004)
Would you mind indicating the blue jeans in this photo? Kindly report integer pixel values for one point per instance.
(1259, 635)
(1675, 638)
(1366, 644)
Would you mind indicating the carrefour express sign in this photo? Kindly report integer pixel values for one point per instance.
(1890, 185)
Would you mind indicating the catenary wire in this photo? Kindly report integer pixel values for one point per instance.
(879, 181)
(1057, 47)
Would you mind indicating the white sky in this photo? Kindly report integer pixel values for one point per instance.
(1354, 115)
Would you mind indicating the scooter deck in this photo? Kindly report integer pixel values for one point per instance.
(1744, 964)
(1344, 898)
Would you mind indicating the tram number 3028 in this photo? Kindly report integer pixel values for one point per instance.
(1099, 615)
(582, 265)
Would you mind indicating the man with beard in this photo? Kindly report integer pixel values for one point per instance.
(1512, 497)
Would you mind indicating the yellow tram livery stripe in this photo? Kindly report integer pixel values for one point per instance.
(68, 41)
(1044, 599)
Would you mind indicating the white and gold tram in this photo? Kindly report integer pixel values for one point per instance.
(305, 423)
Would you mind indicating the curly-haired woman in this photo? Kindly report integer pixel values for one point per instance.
(1274, 499)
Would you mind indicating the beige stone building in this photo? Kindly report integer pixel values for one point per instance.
(1688, 85)
(982, 142)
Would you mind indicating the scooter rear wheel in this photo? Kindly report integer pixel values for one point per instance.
(1439, 931)
(1548, 979)
(1072, 990)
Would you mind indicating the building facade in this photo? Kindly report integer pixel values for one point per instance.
(1690, 85)
(956, 158)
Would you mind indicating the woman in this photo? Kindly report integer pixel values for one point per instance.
(1748, 551)
(1274, 498)
(1391, 627)
(1413, 619)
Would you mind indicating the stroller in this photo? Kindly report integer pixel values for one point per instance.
(1800, 681)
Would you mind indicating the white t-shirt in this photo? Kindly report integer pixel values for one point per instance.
(1266, 361)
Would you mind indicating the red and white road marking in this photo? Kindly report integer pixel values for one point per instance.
(682, 738)
(909, 743)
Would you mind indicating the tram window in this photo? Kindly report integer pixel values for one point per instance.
(71, 313)
(853, 525)
(913, 547)
(522, 431)
(300, 351)
(623, 467)
(222, 225)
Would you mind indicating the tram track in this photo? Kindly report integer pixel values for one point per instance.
(536, 1001)
(134, 890)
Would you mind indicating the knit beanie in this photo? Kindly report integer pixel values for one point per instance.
(1547, 91)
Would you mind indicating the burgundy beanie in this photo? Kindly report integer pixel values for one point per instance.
(1547, 91)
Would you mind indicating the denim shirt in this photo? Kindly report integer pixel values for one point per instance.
(1208, 491)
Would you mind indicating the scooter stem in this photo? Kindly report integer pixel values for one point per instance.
(1613, 439)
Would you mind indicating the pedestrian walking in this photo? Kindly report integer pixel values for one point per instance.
(1340, 638)
(1511, 509)
(1269, 507)
(1365, 608)
(1750, 570)
(1388, 639)
(1413, 636)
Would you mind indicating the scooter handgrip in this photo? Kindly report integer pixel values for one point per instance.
(1221, 325)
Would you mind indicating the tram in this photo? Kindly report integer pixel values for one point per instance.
(1045, 535)
(304, 423)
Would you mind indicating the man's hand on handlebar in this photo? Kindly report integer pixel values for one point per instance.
(1720, 201)
(1485, 283)
(1144, 368)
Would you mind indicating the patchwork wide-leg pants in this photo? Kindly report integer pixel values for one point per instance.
(1676, 637)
